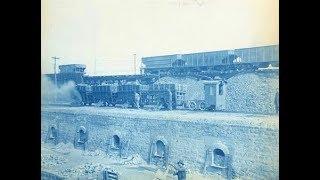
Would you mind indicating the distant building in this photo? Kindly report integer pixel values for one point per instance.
(69, 72)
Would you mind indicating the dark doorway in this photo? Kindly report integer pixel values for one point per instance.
(219, 157)
(160, 148)
(116, 141)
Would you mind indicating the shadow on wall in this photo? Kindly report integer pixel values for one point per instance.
(51, 94)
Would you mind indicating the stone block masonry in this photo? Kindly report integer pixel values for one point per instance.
(198, 138)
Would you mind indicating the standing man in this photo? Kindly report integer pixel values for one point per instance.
(276, 101)
(137, 100)
(181, 171)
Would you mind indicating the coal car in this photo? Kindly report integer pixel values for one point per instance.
(215, 61)
(167, 96)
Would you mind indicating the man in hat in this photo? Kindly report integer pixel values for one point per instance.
(181, 171)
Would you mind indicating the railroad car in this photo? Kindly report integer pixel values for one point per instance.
(215, 61)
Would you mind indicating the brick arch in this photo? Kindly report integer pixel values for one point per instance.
(220, 154)
(82, 128)
(52, 134)
(222, 146)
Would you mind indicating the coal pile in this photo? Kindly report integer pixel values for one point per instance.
(248, 93)
(252, 93)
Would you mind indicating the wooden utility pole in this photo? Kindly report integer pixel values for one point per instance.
(55, 75)
(135, 63)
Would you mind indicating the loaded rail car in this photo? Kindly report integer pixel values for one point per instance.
(126, 94)
(104, 93)
(215, 62)
(167, 96)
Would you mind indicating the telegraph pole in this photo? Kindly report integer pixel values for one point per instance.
(135, 63)
(55, 75)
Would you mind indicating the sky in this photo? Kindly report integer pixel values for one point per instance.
(104, 34)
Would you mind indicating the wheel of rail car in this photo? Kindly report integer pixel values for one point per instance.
(104, 103)
(192, 105)
(110, 103)
(211, 108)
(100, 103)
(202, 106)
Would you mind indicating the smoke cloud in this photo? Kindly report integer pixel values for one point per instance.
(65, 94)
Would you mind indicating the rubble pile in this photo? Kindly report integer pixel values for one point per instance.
(191, 175)
(162, 175)
(87, 170)
(52, 160)
(135, 160)
(195, 175)
(63, 148)
(97, 152)
(252, 93)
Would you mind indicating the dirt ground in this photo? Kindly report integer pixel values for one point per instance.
(65, 161)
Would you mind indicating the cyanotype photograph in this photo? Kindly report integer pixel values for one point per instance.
(160, 89)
